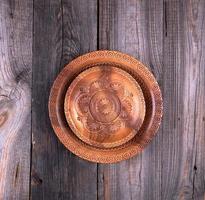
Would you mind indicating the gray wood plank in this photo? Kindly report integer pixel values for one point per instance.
(184, 92)
(169, 37)
(134, 27)
(15, 97)
(62, 31)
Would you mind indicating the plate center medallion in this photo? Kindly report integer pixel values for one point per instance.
(105, 106)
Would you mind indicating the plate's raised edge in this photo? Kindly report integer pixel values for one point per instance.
(121, 156)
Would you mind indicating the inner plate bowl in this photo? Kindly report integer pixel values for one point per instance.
(104, 106)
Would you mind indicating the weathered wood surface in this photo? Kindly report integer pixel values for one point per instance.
(168, 36)
(63, 30)
(15, 98)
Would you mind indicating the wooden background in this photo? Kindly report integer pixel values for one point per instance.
(38, 37)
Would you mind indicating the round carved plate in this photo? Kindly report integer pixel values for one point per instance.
(104, 106)
(152, 98)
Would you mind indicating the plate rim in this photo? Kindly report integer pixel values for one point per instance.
(64, 133)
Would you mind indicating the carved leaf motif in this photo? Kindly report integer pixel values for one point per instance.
(83, 103)
(91, 125)
(115, 126)
(118, 88)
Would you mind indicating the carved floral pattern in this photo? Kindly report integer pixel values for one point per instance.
(104, 106)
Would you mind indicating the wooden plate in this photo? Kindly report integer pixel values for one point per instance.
(152, 97)
(104, 106)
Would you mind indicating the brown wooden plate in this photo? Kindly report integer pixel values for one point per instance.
(96, 153)
(104, 106)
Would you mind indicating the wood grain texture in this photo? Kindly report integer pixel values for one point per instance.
(15, 97)
(168, 36)
(184, 91)
(62, 31)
